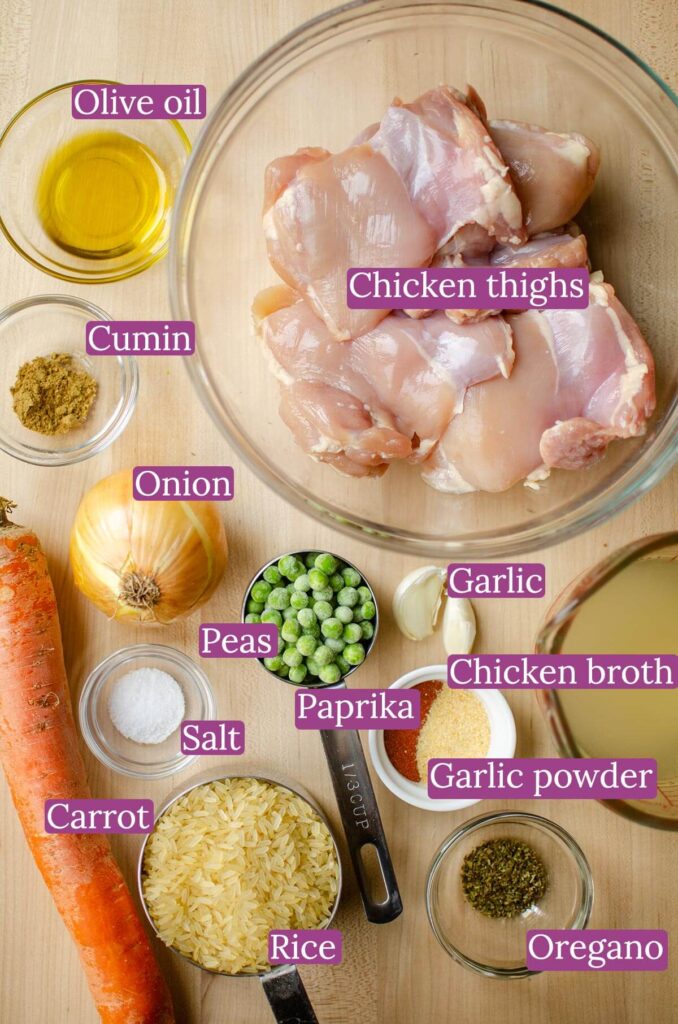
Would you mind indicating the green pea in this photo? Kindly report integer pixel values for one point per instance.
(344, 666)
(327, 563)
(290, 588)
(310, 559)
(313, 667)
(273, 664)
(272, 576)
(354, 654)
(367, 630)
(352, 577)
(298, 600)
(252, 617)
(306, 617)
(348, 596)
(306, 645)
(368, 610)
(332, 627)
(283, 671)
(286, 565)
(289, 613)
(336, 582)
(255, 607)
(334, 645)
(271, 615)
(358, 614)
(312, 630)
(302, 582)
(364, 594)
(352, 633)
(330, 674)
(298, 674)
(323, 610)
(326, 594)
(278, 599)
(291, 657)
(291, 631)
(344, 613)
(317, 579)
(323, 655)
(260, 591)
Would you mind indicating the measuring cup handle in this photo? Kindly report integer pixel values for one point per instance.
(287, 996)
(361, 820)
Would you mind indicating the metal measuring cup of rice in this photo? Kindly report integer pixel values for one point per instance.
(282, 985)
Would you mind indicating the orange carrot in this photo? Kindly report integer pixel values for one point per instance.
(41, 759)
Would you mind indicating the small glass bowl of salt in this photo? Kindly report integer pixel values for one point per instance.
(132, 706)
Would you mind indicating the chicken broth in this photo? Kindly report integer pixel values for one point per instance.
(634, 613)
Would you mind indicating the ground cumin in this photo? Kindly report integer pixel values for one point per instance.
(52, 394)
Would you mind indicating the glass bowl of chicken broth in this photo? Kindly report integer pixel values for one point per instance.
(456, 431)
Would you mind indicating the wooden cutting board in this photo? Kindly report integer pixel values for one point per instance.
(395, 974)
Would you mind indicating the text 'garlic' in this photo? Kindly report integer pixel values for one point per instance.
(459, 626)
(416, 602)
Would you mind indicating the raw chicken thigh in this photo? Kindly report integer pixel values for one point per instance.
(429, 171)
(480, 399)
(581, 379)
(553, 173)
(387, 395)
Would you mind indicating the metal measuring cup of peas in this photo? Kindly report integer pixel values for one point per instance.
(328, 618)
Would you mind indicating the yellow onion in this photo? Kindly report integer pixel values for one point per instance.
(146, 561)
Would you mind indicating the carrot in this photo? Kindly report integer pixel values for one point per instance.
(40, 756)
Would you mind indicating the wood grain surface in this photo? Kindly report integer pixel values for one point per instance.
(396, 974)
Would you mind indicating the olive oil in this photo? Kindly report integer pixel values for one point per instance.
(103, 194)
(635, 612)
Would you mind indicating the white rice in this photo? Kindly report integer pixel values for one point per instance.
(231, 860)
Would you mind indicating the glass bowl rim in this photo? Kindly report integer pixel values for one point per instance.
(534, 821)
(115, 425)
(167, 656)
(301, 551)
(69, 274)
(561, 526)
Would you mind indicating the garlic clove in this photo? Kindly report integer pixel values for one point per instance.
(459, 626)
(417, 599)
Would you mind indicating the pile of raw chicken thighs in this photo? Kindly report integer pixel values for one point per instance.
(477, 399)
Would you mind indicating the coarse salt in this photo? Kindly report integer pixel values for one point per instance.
(146, 705)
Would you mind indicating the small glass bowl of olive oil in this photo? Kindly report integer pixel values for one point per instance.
(88, 200)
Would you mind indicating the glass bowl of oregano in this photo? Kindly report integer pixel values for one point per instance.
(498, 876)
(60, 405)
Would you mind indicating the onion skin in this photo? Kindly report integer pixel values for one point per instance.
(170, 554)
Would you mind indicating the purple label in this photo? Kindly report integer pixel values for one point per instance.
(563, 671)
(212, 737)
(310, 946)
(357, 709)
(467, 288)
(140, 338)
(138, 102)
(180, 483)
(496, 579)
(92, 817)
(600, 949)
(238, 640)
(542, 778)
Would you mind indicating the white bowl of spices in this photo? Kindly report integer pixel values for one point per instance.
(455, 723)
(132, 706)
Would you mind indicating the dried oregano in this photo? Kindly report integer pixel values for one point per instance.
(503, 877)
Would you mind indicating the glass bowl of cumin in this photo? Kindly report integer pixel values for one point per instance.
(55, 412)
(495, 946)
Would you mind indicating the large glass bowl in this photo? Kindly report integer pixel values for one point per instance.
(320, 86)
